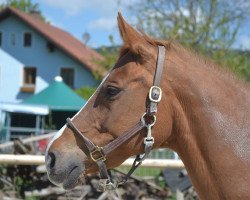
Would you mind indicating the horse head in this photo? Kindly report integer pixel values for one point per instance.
(116, 106)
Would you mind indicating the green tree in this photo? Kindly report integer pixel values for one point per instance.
(110, 54)
(85, 92)
(23, 5)
(209, 27)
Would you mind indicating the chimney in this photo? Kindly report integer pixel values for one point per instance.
(36, 14)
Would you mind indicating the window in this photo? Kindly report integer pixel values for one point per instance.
(29, 75)
(29, 79)
(27, 39)
(50, 47)
(1, 38)
(13, 39)
(68, 76)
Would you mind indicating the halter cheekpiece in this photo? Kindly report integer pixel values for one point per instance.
(148, 120)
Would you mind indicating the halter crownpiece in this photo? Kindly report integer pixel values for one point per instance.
(148, 120)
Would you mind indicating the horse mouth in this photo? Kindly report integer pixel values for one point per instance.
(74, 178)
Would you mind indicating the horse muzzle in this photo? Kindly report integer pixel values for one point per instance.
(64, 170)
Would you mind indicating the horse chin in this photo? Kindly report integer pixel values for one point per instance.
(74, 178)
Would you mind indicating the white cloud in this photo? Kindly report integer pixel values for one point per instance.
(102, 23)
(104, 11)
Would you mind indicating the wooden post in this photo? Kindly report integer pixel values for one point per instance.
(38, 122)
(8, 124)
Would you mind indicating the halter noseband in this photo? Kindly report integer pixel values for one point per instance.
(98, 154)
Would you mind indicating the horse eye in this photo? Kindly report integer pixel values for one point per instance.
(112, 91)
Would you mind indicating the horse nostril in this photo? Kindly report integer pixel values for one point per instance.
(51, 160)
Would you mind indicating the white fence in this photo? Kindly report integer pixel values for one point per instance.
(152, 166)
(159, 155)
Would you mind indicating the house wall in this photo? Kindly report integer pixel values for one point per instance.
(14, 57)
(10, 77)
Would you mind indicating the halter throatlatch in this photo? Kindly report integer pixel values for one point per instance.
(148, 120)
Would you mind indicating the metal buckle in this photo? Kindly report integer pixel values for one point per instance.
(155, 94)
(97, 154)
(106, 184)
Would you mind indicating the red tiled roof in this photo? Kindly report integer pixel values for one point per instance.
(61, 39)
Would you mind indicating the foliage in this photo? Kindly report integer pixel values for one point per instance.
(18, 182)
(19, 178)
(237, 61)
(208, 26)
(85, 92)
(23, 5)
(110, 55)
(49, 125)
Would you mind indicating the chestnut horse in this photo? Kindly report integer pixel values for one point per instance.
(204, 115)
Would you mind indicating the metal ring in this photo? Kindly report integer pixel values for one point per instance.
(144, 122)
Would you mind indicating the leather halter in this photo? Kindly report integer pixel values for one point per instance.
(98, 154)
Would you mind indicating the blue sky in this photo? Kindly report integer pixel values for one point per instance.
(98, 18)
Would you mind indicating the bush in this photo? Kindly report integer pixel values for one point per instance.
(85, 92)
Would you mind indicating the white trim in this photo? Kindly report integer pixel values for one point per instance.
(25, 108)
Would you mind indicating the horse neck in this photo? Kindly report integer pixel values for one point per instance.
(209, 133)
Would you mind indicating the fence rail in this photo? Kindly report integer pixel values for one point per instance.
(158, 159)
(10, 159)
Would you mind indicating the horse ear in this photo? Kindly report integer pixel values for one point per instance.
(131, 38)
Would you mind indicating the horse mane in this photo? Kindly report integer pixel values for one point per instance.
(220, 70)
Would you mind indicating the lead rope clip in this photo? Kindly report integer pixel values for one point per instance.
(149, 140)
(107, 184)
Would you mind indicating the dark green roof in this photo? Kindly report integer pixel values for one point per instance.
(58, 97)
